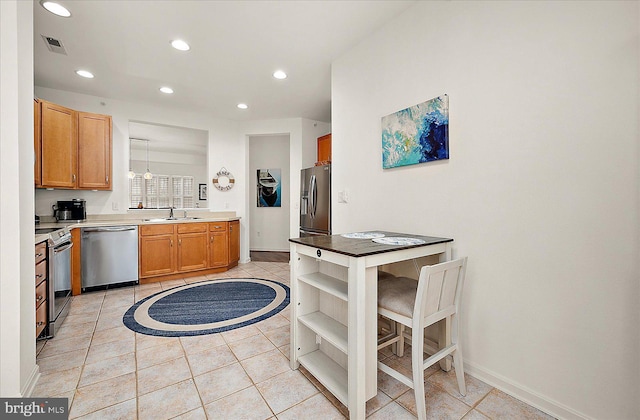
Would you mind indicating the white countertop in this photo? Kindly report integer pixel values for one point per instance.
(128, 220)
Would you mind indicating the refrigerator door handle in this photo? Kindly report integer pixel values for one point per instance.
(313, 195)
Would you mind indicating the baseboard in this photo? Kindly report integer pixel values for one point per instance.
(521, 392)
(31, 382)
(270, 250)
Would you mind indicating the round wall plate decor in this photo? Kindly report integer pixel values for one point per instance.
(223, 180)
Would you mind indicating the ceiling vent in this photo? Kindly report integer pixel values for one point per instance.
(54, 45)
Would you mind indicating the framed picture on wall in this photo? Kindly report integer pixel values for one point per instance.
(202, 191)
(268, 187)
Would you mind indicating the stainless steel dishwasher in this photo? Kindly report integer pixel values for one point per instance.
(109, 255)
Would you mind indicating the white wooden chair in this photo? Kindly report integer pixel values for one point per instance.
(434, 297)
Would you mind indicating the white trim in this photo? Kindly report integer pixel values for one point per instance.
(31, 382)
(523, 393)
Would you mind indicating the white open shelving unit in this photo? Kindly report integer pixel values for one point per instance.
(334, 312)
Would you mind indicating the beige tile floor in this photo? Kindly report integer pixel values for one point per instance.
(109, 372)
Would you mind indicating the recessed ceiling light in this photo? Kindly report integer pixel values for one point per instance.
(243, 106)
(56, 8)
(179, 44)
(279, 74)
(84, 73)
(166, 89)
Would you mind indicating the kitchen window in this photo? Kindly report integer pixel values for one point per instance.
(161, 191)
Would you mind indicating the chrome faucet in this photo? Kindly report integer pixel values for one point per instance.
(171, 213)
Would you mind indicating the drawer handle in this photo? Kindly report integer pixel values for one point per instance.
(39, 276)
(39, 298)
(40, 323)
(39, 255)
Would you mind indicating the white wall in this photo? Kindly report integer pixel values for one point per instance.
(541, 191)
(18, 370)
(311, 130)
(222, 147)
(269, 226)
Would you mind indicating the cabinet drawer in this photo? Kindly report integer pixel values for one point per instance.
(41, 293)
(41, 272)
(218, 226)
(41, 251)
(192, 227)
(147, 230)
(41, 319)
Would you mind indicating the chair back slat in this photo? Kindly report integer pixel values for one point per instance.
(439, 287)
(433, 289)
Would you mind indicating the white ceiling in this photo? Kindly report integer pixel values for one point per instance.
(235, 48)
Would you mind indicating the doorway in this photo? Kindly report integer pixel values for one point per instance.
(269, 193)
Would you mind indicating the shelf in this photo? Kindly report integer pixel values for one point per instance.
(331, 285)
(327, 328)
(328, 373)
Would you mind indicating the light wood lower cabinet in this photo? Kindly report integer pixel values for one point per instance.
(178, 250)
(42, 282)
(193, 246)
(157, 255)
(218, 244)
(234, 242)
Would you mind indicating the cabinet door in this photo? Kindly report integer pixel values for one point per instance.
(157, 255)
(192, 251)
(324, 148)
(59, 137)
(37, 144)
(234, 241)
(94, 151)
(218, 249)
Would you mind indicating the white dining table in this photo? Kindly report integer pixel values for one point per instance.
(334, 307)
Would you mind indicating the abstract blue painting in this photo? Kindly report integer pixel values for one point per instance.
(417, 134)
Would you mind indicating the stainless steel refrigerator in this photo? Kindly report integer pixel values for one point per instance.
(315, 201)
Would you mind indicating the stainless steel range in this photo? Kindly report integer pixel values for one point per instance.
(59, 249)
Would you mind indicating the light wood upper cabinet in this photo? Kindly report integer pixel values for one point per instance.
(59, 137)
(37, 144)
(234, 242)
(75, 148)
(94, 151)
(324, 148)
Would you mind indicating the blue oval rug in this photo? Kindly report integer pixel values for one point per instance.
(207, 307)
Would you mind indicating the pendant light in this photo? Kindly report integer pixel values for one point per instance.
(131, 174)
(148, 175)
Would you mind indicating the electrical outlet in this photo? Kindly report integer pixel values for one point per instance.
(114, 205)
(226, 205)
(258, 234)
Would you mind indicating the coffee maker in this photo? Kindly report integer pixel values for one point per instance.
(70, 210)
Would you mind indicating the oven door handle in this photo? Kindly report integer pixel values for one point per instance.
(63, 248)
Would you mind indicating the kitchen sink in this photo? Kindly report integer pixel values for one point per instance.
(165, 219)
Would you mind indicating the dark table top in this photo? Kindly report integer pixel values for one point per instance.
(363, 247)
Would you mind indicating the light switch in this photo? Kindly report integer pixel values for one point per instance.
(343, 196)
